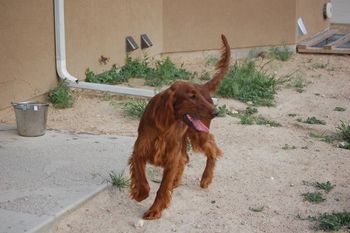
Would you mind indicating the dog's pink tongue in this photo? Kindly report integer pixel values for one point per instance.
(199, 125)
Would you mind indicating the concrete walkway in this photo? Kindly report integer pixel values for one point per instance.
(41, 178)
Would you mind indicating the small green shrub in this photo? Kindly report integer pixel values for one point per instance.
(166, 72)
(247, 119)
(205, 76)
(320, 65)
(299, 83)
(257, 209)
(247, 83)
(281, 53)
(224, 111)
(133, 68)
(212, 60)
(324, 138)
(61, 96)
(112, 76)
(119, 180)
(135, 109)
(262, 121)
(332, 221)
(312, 120)
(344, 131)
(339, 109)
(315, 197)
(345, 145)
(288, 147)
(251, 110)
(326, 186)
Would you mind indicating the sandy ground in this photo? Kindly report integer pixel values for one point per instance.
(254, 173)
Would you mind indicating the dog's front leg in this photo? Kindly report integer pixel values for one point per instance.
(171, 159)
(163, 196)
(212, 152)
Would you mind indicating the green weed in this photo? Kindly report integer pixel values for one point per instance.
(111, 76)
(345, 145)
(61, 96)
(248, 83)
(299, 83)
(262, 121)
(188, 146)
(344, 130)
(326, 186)
(324, 138)
(339, 109)
(119, 180)
(312, 120)
(205, 76)
(315, 197)
(257, 209)
(135, 109)
(320, 65)
(212, 60)
(332, 221)
(224, 111)
(248, 118)
(288, 147)
(164, 72)
(251, 110)
(281, 53)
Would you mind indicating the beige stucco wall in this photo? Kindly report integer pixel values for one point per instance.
(191, 25)
(311, 11)
(99, 27)
(95, 28)
(27, 61)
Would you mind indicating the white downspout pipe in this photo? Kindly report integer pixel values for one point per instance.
(61, 65)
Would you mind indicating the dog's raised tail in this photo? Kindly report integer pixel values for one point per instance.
(222, 66)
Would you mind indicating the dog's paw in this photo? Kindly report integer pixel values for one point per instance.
(205, 183)
(152, 214)
(140, 193)
(176, 183)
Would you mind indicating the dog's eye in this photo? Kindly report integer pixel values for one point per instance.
(193, 96)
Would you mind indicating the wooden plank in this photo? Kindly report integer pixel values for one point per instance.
(338, 42)
(324, 51)
(316, 39)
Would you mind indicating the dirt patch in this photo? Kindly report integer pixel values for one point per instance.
(257, 171)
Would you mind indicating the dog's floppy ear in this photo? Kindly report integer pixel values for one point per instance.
(164, 113)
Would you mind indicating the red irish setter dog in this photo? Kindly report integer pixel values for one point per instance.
(173, 118)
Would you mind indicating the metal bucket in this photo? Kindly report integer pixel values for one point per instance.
(31, 118)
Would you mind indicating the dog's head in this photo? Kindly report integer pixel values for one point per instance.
(192, 104)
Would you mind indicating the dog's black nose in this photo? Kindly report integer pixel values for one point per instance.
(215, 113)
